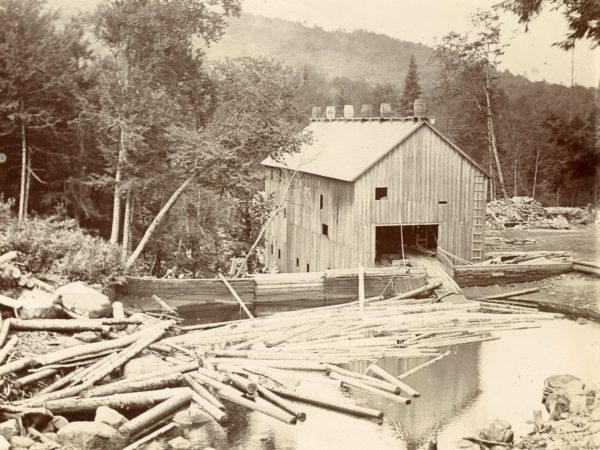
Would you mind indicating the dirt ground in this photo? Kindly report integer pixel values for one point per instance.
(574, 289)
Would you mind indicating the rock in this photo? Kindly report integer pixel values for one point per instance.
(87, 337)
(4, 444)
(36, 417)
(9, 428)
(52, 435)
(180, 443)
(191, 416)
(144, 364)
(499, 431)
(109, 416)
(83, 300)
(463, 444)
(155, 445)
(90, 436)
(582, 321)
(38, 304)
(21, 442)
(59, 422)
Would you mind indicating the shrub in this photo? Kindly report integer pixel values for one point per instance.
(53, 247)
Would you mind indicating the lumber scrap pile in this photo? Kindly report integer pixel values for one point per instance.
(248, 363)
(533, 257)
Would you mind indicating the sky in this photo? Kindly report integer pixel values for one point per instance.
(530, 53)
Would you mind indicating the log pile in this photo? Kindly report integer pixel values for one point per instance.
(248, 363)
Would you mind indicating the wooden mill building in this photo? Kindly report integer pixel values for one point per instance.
(366, 189)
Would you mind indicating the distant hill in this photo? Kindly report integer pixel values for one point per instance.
(359, 55)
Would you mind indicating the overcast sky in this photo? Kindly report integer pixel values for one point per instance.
(530, 54)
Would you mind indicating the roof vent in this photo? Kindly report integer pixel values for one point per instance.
(366, 111)
(316, 112)
(330, 112)
(348, 111)
(385, 110)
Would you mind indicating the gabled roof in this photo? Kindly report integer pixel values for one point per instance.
(345, 149)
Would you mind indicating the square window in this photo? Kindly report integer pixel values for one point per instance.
(308, 267)
(297, 262)
(443, 202)
(325, 230)
(279, 253)
(321, 201)
(381, 193)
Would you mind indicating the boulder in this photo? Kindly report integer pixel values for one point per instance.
(109, 416)
(191, 416)
(59, 422)
(4, 444)
(144, 364)
(21, 442)
(180, 443)
(90, 436)
(38, 304)
(84, 300)
(87, 336)
(9, 428)
(499, 431)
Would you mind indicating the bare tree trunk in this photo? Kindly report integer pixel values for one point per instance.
(492, 136)
(535, 171)
(266, 225)
(116, 218)
(515, 164)
(126, 247)
(22, 205)
(156, 222)
(27, 184)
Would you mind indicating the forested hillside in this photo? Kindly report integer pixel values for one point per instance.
(116, 120)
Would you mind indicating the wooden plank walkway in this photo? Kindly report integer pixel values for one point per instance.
(436, 271)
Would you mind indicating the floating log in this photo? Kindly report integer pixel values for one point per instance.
(237, 297)
(133, 400)
(511, 294)
(70, 325)
(374, 382)
(156, 414)
(164, 305)
(244, 384)
(150, 437)
(586, 267)
(415, 292)
(392, 379)
(203, 392)
(152, 384)
(8, 347)
(218, 414)
(353, 382)
(329, 404)
(4, 329)
(422, 366)
(260, 405)
(33, 377)
(61, 382)
(281, 403)
(179, 368)
(8, 256)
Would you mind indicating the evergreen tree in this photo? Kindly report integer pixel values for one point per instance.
(412, 89)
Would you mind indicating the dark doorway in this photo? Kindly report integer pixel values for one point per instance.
(389, 240)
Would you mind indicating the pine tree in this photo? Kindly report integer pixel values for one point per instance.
(412, 89)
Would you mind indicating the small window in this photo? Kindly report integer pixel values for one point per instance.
(325, 230)
(279, 253)
(284, 213)
(272, 176)
(297, 262)
(271, 249)
(381, 193)
(321, 201)
(443, 202)
(308, 267)
(280, 175)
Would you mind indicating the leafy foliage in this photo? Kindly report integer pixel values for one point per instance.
(581, 16)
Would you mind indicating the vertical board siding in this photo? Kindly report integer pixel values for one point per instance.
(421, 171)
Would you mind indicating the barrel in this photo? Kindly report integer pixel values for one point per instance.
(420, 108)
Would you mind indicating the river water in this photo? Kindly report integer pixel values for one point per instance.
(460, 394)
